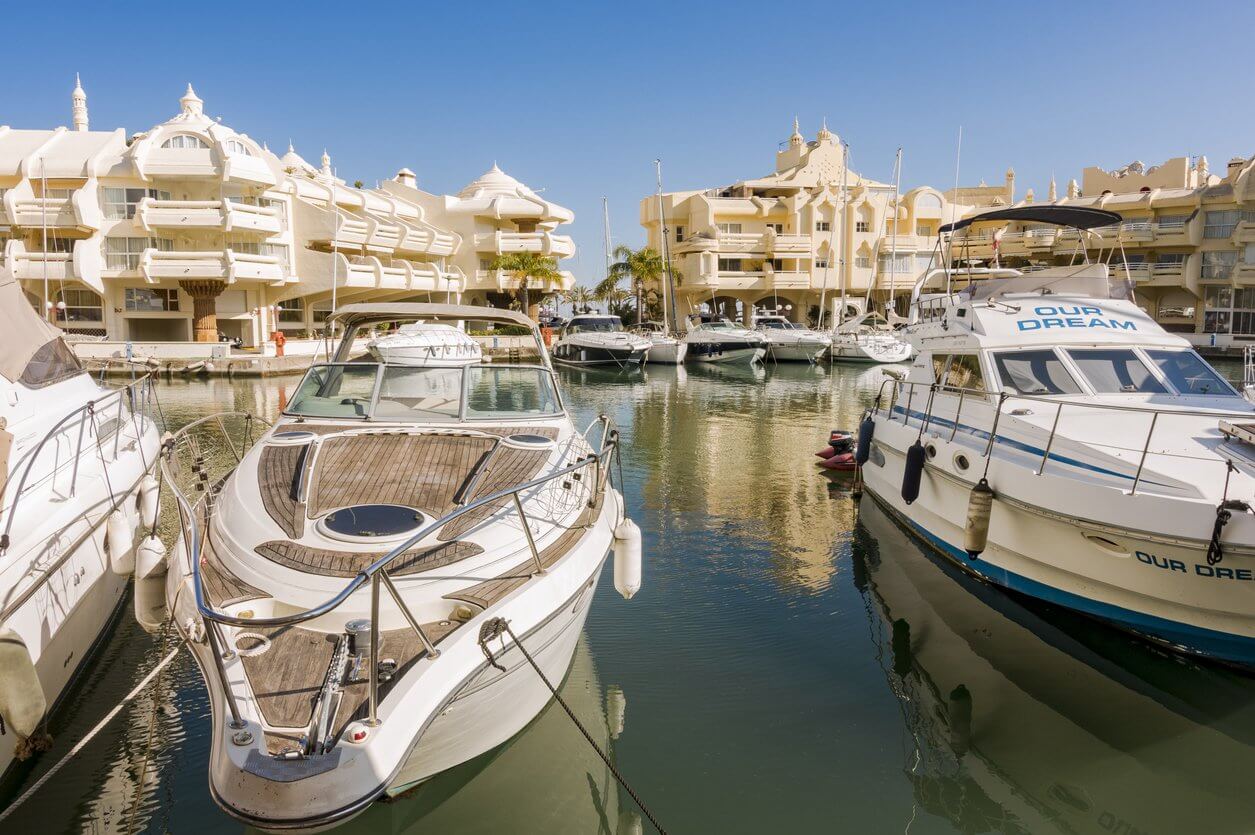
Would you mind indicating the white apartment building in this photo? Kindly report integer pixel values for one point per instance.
(1187, 242)
(191, 230)
(809, 231)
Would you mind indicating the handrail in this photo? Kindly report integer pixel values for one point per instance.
(89, 408)
(192, 539)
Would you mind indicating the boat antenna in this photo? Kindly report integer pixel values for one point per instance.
(665, 251)
(948, 252)
(893, 246)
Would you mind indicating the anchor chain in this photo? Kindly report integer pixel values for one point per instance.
(500, 626)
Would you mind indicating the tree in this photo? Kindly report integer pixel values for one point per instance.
(579, 298)
(641, 266)
(617, 301)
(526, 267)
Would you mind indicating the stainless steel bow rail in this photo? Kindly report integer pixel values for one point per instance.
(140, 397)
(376, 573)
(1056, 403)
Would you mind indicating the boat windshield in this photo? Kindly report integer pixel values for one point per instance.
(1115, 371)
(782, 324)
(1189, 373)
(1034, 372)
(599, 324)
(406, 393)
(718, 325)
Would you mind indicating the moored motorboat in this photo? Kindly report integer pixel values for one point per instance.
(868, 337)
(360, 588)
(664, 349)
(1099, 462)
(76, 494)
(715, 339)
(426, 343)
(598, 339)
(788, 341)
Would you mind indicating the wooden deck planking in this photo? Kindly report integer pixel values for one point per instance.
(286, 677)
(349, 563)
(507, 468)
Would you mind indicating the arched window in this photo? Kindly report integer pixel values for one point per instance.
(184, 140)
(928, 200)
(235, 146)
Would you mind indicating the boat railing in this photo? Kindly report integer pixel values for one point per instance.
(376, 574)
(1143, 452)
(134, 402)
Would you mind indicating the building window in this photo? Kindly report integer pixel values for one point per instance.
(777, 264)
(923, 231)
(235, 146)
(120, 203)
(56, 193)
(1220, 224)
(245, 247)
(731, 265)
(1171, 258)
(1229, 310)
(291, 312)
(679, 234)
(151, 300)
(125, 253)
(862, 226)
(863, 262)
(54, 243)
(485, 263)
(730, 228)
(902, 264)
(823, 226)
(821, 263)
(81, 305)
(778, 228)
(1219, 264)
(1172, 222)
(184, 140)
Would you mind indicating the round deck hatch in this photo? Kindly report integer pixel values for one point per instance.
(524, 440)
(290, 437)
(371, 522)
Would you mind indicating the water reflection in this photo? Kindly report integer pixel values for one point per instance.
(1021, 718)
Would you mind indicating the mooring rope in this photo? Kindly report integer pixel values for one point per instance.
(100, 726)
(499, 626)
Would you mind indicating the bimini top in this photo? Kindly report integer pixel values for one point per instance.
(355, 315)
(1078, 217)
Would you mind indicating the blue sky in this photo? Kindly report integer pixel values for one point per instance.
(579, 98)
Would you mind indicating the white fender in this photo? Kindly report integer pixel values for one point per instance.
(120, 539)
(627, 558)
(150, 559)
(148, 488)
(22, 701)
(150, 604)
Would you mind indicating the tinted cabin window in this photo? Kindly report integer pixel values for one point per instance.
(1116, 371)
(964, 373)
(1034, 372)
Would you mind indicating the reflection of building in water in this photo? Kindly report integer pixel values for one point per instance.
(1015, 726)
(547, 779)
(738, 453)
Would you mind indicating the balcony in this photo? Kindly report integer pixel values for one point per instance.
(1245, 231)
(545, 243)
(208, 214)
(502, 281)
(54, 212)
(55, 266)
(780, 243)
(179, 162)
(225, 265)
(1040, 238)
(427, 240)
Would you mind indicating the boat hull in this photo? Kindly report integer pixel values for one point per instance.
(1161, 591)
(667, 353)
(795, 351)
(727, 352)
(568, 354)
(856, 352)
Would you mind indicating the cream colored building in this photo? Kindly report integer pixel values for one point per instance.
(192, 229)
(800, 234)
(1187, 241)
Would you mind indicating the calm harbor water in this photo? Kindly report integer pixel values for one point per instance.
(793, 663)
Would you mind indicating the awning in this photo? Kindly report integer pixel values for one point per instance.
(1079, 217)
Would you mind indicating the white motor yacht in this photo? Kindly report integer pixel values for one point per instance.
(362, 589)
(868, 337)
(715, 339)
(75, 463)
(1099, 462)
(664, 349)
(598, 339)
(788, 341)
(426, 343)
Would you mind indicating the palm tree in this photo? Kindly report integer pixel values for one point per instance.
(616, 300)
(526, 267)
(642, 266)
(579, 298)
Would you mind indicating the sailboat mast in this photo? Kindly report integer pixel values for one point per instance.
(845, 204)
(893, 246)
(668, 289)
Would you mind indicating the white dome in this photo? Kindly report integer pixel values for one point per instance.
(493, 182)
(294, 161)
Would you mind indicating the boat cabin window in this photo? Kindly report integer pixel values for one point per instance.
(781, 324)
(503, 392)
(409, 393)
(1189, 373)
(599, 324)
(1034, 372)
(1115, 371)
(335, 390)
(958, 371)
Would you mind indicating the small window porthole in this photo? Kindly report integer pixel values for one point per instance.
(930, 451)
(960, 462)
